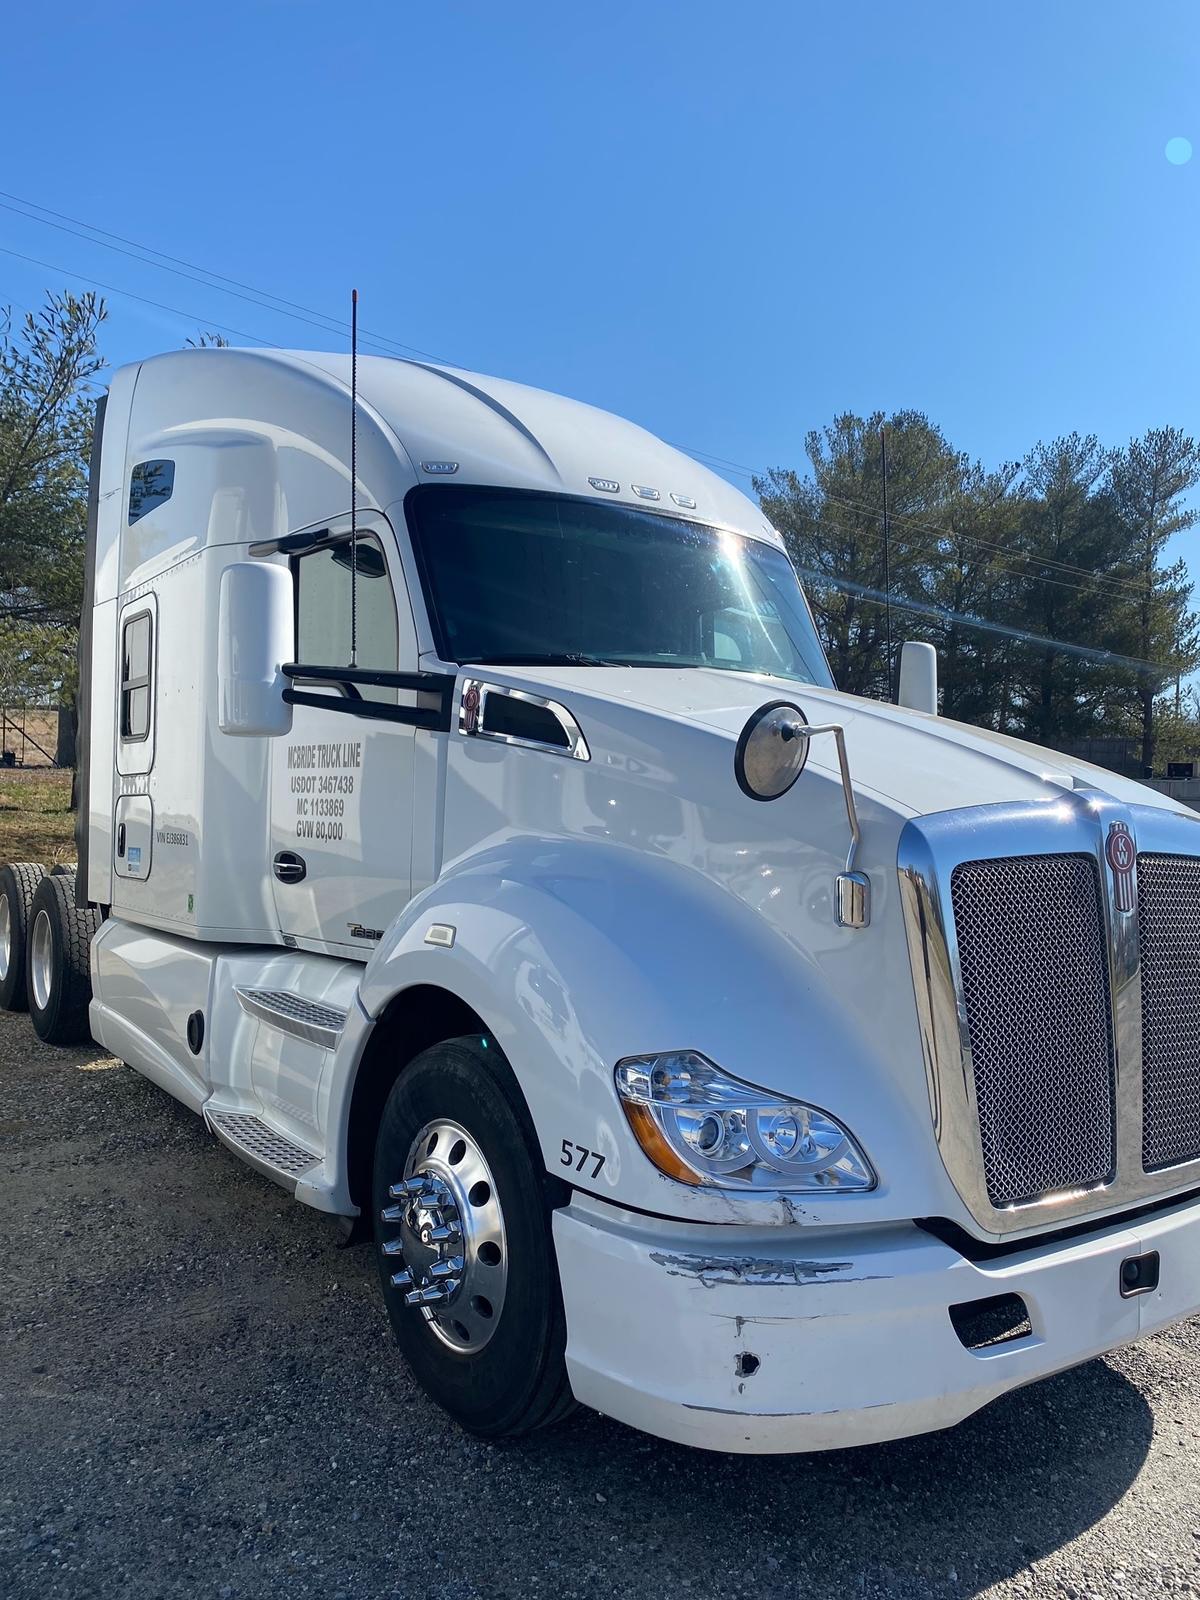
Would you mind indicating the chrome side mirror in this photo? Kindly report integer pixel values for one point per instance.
(771, 753)
(918, 677)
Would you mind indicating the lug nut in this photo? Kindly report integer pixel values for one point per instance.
(426, 1297)
(402, 1279)
(393, 1247)
(446, 1269)
(408, 1187)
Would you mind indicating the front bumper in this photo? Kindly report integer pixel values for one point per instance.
(793, 1339)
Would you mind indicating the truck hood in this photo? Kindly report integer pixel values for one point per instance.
(918, 762)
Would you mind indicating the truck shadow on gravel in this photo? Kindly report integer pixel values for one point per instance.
(954, 1512)
(200, 1396)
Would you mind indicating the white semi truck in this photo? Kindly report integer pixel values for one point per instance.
(478, 842)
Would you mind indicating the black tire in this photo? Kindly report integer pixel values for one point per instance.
(60, 1013)
(18, 881)
(518, 1381)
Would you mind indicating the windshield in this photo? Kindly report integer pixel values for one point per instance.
(514, 577)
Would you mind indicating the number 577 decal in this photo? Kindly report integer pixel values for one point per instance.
(576, 1156)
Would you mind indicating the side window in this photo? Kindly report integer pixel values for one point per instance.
(323, 581)
(137, 658)
(150, 485)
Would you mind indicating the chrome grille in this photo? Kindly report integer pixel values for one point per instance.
(1035, 987)
(1169, 944)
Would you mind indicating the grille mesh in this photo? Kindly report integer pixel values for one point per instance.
(1169, 940)
(1035, 986)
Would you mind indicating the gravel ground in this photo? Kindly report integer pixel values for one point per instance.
(199, 1396)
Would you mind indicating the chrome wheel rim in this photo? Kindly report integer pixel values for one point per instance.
(5, 936)
(450, 1246)
(41, 960)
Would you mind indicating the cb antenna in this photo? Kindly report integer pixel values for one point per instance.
(354, 477)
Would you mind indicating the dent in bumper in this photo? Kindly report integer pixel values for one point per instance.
(798, 1339)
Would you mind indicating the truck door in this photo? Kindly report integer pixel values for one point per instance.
(341, 782)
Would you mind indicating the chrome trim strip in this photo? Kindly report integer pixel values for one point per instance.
(290, 1013)
(473, 696)
(930, 848)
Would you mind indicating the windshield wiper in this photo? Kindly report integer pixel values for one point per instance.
(547, 658)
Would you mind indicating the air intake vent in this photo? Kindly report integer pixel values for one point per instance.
(1169, 937)
(1035, 986)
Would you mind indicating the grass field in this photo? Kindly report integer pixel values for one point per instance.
(36, 820)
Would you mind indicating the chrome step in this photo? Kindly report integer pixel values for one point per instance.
(265, 1149)
(306, 1019)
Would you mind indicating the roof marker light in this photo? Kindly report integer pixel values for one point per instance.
(440, 469)
(644, 492)
(684, 500)
(608, 485)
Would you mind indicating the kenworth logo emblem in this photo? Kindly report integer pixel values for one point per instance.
(1122, 858)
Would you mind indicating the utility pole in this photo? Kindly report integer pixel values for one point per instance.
(887, 563)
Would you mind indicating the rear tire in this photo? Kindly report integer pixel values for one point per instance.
(18, 882)
(58, 974)
(492, 1355)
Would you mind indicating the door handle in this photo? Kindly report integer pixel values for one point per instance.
(289, 867)
(120, 839)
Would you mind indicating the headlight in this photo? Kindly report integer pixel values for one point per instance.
(701, 1126)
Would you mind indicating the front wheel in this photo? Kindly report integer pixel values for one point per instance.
(462, 1208)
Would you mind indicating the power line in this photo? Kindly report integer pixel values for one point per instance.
(987, 544)
(254, 296)
(941, 532)
(876, 597)
(134, 256)
(266, 300)
(1011, 572)
(1005, 572)
(128, 294)
(241, 333)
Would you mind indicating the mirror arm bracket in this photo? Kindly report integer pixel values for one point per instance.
(852, 888)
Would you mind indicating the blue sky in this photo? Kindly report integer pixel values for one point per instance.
(727, 221)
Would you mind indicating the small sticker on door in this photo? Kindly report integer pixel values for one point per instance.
(134, 857)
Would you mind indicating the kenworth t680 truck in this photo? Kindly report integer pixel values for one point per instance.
(478, 842)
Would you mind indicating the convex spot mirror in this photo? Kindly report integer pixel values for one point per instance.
(771, 750)
(255, 636)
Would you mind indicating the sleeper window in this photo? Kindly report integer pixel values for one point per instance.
(137, 640)
(323, 582)
(150, 484)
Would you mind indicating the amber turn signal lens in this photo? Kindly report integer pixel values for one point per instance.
(648, 1134)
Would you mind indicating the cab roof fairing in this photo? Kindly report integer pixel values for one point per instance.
(511, 435)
